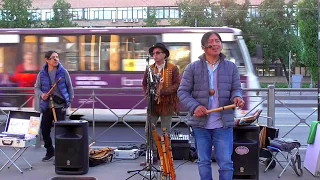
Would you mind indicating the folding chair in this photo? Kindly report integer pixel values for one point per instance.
(290, 153)
(265, 156)
(20, 133)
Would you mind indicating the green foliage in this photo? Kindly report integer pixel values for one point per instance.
(308, 27)
(282, 85)
(275, 33)
(195, 13)
(204, 13)
(233, 14)
(15, 14)
(151, 20)
(62, 17)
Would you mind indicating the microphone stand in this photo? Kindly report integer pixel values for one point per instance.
(153, 81)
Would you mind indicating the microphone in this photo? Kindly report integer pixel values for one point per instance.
(206, 47)
(149, 69)
(150, 75)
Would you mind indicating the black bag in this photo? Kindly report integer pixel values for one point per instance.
(58, 99)
(285, 144)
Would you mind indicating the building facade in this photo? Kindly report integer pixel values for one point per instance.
(117, 13)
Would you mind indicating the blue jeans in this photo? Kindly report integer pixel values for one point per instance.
(222, 140)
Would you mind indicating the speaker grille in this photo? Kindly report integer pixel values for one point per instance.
(69, 153)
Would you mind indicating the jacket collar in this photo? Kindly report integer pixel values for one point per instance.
(203, 57)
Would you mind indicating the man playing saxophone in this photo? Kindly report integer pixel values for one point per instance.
(166, 101)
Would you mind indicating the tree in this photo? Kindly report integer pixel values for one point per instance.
(203, 13)
(275, 32)
(151, 20)
(308, 27)
(61, 15)
(233, 14)
(15, 14)
(195, 13)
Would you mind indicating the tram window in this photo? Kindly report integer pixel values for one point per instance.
(66, 47)
(134, 50)
(99, 53)
(8, 58)
(232, 51)
(29, 54)
(179, 55)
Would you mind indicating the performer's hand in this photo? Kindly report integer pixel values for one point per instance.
(44, 96)
(238, 102)
(200, 111)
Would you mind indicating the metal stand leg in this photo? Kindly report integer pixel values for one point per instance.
(11, 160)
(286, 157)
(19, 154)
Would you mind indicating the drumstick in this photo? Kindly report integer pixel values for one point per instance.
(54, 86)
(221, 108)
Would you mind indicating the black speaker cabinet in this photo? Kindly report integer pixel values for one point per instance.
(71, 147)
(180, 151)
(246, 150)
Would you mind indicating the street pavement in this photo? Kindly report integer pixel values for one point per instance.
(117, 169)
(130, 130)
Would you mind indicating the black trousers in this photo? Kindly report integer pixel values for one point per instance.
(46, 125)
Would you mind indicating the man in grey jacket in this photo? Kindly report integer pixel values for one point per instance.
(208, 83)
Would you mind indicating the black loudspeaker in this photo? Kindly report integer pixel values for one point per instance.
(71, 147)
(180, 151)
(246, 150)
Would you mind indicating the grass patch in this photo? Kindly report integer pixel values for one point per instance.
(281, 85)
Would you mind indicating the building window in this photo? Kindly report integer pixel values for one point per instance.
(254, 11)
(174, 12)
(130, 13)
(122, 13)
(166, 12)
(77, 14)
(139, 13)
(159, 12)
(96, 13)
(109, 13)
(85, 13)
(46, 14)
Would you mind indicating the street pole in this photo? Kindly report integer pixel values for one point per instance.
(289, 85)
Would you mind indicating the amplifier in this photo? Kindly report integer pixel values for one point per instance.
(180, 146)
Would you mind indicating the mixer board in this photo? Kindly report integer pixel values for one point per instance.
(179, 138)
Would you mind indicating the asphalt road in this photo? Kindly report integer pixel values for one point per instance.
(133, 132)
